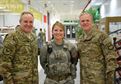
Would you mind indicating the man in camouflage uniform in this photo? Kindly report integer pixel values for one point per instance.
(19, 54)
(97, 55)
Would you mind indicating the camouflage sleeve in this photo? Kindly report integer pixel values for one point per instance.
(43, 56)
(7, 54)
(110, 58)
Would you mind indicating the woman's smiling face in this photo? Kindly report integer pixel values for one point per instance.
(58, 32)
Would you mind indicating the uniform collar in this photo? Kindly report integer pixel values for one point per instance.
(27, 36)
(88, 35)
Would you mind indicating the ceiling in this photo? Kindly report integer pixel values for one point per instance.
(65, 9)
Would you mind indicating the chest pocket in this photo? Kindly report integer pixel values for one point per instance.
(59, 56)
(59, 62)
(24, 48)
(93, 46)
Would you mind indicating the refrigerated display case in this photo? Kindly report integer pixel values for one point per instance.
(70, 31)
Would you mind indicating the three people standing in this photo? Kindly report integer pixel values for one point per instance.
(58, 58)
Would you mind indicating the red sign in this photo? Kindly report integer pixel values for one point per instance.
(45, 18)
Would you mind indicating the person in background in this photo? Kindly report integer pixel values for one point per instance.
(97, 55)
(59, 58)
(41, 36)
(19, 54)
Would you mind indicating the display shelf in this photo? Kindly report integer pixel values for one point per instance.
(6, 30)
(110, 24)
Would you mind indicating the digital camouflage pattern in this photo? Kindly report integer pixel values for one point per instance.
(57, 63)
(97, 58)
(19, 58)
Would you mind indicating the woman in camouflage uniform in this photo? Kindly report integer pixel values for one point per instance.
(58, 58)
(19, 54)
(97, 55)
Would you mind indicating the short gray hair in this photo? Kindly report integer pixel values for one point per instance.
(25, 12)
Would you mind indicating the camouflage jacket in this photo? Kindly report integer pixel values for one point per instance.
(19, 59)
(97, 58)
(57, 60)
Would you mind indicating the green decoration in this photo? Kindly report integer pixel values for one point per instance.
(78, 31)
(94, 11)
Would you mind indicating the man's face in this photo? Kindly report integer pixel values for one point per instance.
(86, 22)
(26, 23)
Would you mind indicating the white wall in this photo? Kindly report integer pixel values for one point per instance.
(12, 19)
(1, 20)
(111, 8)
(9, 19)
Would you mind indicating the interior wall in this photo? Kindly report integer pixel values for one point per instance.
(9, 19)
(1, 20)
(12, 19)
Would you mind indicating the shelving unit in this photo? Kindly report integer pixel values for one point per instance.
(112, 26)
(5, 30)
